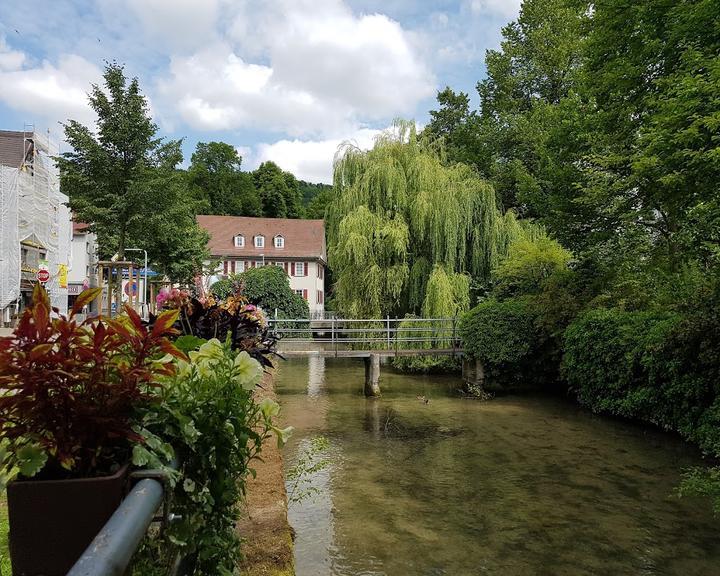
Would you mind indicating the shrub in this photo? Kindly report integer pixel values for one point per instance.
(507, 338)
(209, 415)
(69, 391)
(607, 353)
(528, 265)
(267, 287)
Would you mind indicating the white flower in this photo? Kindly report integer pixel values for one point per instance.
(248, 370)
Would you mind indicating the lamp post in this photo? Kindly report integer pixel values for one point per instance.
(145, 284)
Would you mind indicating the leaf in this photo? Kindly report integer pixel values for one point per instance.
(165, 321)
(30, 460)
(140, 456)
(189, 342)
(135, 319)
(85, 297)
(40, 350)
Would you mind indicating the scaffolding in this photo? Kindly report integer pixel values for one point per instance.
(34, 216)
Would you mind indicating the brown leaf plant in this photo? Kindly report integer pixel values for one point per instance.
(70, 390)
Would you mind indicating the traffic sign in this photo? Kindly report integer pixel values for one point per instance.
(132, 285)
(42, 276)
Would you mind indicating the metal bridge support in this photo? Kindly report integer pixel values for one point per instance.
(372, 375)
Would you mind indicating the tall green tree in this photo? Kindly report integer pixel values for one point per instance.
(217, 180)
(400, 217)
(121, 178)
(653, 73)
(279, 192)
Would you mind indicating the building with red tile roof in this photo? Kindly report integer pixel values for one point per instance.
(298, 246)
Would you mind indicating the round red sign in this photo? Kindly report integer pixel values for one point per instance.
(43, 276)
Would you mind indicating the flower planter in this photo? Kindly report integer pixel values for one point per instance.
(52, 522)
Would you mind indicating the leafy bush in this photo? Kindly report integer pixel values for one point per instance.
(208, 413)
(529, 263)
(506, 338)
(607, 353)
(70, 391)
(267, 287)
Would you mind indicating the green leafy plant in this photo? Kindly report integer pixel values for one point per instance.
(69, 391)
(209, 414)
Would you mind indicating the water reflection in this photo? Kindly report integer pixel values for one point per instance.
(516, 486)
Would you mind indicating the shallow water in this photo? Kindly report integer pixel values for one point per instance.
(519, 485)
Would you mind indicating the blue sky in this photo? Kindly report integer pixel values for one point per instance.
(281, 80)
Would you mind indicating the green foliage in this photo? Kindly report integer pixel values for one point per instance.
(279, 192)
(500, 333)
(398, 211)
(215, 178)
(656, 366)
(4, 533)
(123, 181)
(267, 287)
(316, 198)
(208, 413)
(529, 264)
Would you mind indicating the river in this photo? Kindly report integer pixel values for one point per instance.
(519, 485)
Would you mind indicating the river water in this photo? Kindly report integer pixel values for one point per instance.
(519, 485)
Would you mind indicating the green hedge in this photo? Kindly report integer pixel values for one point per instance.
(658, 367)
(508, 337)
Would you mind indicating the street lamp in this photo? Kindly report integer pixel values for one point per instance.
(145, 284)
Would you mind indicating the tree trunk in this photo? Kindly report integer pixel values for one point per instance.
(121, 257)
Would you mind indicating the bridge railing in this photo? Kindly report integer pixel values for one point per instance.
(372, 333)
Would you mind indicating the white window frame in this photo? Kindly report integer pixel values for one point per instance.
(259, 264)
(259, 241)
(299, 292)
(281, 243)
(302, 267)
(241, 238)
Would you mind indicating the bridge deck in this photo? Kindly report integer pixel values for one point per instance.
(366, 353)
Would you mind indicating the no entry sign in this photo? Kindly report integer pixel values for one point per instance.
(42, 276)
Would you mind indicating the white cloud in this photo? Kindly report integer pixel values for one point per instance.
(51, 91)
(10, 59)
(505, 8)
(299, 67)
(309, 160)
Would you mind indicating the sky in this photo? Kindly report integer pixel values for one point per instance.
(280, 80)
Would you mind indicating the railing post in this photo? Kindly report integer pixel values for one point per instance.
(388, 332)
(332, 335)
(454, 339)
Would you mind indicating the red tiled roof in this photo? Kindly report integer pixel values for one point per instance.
(303, 238)
(80, 227)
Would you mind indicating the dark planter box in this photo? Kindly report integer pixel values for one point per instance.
(52, 522)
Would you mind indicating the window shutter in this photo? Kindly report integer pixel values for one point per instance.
(225, 267)
(292, 269)
(305, 294)
(306, 269)
(232, 266)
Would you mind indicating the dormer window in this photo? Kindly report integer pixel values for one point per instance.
(279, 241)
(239, 241)
(259, 241)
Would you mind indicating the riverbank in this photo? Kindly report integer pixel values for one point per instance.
(267, 536)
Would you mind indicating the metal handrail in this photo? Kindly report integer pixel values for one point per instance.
(111, 551)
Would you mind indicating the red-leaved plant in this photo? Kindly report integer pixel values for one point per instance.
(70, 390)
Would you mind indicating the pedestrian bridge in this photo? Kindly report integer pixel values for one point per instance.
(370, 339)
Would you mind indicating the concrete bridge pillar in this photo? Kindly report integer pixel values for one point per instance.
(372, 375)
(473, 374)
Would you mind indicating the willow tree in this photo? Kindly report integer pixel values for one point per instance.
(402, 215)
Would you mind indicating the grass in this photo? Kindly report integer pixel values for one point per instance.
(4, 553)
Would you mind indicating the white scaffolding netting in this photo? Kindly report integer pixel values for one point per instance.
(9, 239)
(33, 211)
